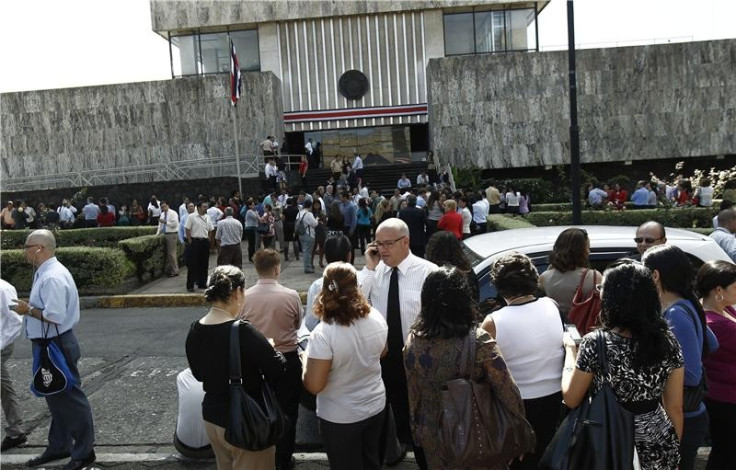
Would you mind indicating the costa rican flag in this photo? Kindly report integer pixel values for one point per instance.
(235, 79)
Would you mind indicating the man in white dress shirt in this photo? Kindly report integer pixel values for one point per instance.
(389, 256)
(168, 226)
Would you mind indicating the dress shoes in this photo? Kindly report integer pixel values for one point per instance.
(75, 464)
(13, 441)
(45, 458)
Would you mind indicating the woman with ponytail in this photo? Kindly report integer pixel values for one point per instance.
(344, 370)
(674, 276)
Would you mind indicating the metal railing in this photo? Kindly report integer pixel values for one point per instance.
(250, 166)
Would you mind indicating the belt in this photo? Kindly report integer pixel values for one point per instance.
(640, 407)
(200, 239)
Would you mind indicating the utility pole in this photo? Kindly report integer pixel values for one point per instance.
(574, 130)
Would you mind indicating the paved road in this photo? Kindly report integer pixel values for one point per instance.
(130, 358)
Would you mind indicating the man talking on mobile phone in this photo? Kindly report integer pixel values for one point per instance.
(392, 281)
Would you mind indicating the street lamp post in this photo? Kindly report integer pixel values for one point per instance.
(574, 130)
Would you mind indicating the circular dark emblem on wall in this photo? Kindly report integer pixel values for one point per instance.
(353, 84)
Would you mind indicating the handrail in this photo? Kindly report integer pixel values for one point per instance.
(250, 166)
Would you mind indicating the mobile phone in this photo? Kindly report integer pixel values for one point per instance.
(12, 306)
(572, 330)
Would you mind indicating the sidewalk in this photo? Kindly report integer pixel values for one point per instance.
(172, 292)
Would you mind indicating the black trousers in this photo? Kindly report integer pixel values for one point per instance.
(397, 395)
(287, 389)
(250, 235)
(693, 436)
(353, 445)
(544, 414)
(722, 434)
(198, 258)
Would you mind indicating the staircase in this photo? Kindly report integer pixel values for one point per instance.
(382, 178)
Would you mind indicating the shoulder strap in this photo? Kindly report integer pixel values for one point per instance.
(467, 359)
(600, 341)
(696, 320)
(235, 373)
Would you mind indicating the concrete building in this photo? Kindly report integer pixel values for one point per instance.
(390, 80)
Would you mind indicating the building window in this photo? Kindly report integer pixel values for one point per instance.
(199, 54)
(481, 32)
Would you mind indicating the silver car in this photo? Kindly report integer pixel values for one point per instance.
(607, 244)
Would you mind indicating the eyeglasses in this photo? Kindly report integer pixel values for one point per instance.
(25, 247)
(389, 243)
(646, 239)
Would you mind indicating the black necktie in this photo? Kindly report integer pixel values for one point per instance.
(393, 317)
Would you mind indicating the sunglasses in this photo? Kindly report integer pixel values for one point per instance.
(646, 239)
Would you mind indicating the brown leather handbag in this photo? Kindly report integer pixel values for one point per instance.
(475, 428)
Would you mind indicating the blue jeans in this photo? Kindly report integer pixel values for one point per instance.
(307, 245)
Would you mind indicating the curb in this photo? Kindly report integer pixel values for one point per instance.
(150, 300)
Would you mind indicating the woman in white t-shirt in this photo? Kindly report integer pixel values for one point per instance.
(512, 201)
(344, 370)
(529, 333)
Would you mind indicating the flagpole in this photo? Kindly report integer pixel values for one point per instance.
(237, 149)
(235, 82)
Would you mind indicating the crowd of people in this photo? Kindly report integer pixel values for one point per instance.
(651, 194)
(386, 339)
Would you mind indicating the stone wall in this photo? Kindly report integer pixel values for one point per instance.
(650, 102)
(130, 125)
(183, 15)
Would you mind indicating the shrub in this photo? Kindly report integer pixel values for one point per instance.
(498, 222)
(147, 253)
(95, 270)
(680, 217)
(104, 237)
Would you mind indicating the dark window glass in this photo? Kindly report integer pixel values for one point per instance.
(246, 46)
(459, 34)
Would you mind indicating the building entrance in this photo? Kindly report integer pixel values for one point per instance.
(381, 145)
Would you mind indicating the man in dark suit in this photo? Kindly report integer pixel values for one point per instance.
(415, 218)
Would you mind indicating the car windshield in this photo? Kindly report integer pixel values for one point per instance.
(472, 256)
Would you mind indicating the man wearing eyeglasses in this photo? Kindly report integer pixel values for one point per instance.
(392, 281)
(54, 306)
(649, 234)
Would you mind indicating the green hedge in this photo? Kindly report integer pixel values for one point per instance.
(102, 237)
(148, 253)
(498, 222)
(678, 217)
(95, 270)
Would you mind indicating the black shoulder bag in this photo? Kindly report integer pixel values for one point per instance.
(598, 434)
(250, 426)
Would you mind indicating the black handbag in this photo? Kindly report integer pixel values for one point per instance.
(251, 426)
(598, 434)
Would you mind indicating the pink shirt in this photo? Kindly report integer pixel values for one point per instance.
(721, 364)
(275, 311)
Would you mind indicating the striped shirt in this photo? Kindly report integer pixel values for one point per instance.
(412, 272)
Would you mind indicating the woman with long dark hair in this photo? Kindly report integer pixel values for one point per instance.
(568, 268)
(443, 249)
(432, 356)
(674, 276)
(716, 283)
(344, 370)
(644, 362)
(320, 232)
(435, 210)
